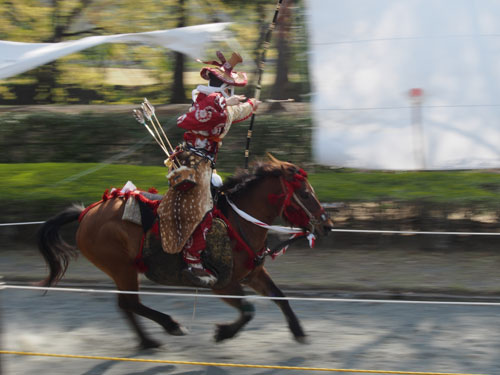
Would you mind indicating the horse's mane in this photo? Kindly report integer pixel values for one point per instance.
(243, 179)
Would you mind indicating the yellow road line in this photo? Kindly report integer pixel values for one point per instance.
(227, 364)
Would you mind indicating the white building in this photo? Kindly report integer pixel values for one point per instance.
(365, 57)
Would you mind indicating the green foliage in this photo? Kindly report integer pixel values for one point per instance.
(92, 137)
(25, 21)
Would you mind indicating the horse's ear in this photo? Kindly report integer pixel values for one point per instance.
(272, 158)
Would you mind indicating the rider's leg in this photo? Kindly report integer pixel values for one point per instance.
(196, 273)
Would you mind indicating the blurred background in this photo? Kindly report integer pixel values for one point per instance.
(119, 73)
(377, 118)
(394, 114)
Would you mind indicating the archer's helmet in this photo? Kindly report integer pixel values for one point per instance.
(223, 70)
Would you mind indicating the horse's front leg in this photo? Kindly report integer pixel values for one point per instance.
(262, 283)
(245, 308)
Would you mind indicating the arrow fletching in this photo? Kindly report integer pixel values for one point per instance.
(150, 107)
(139, 116)
(147, 112)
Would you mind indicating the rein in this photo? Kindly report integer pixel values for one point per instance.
(279, 249)
(272, 228)
(290, 200)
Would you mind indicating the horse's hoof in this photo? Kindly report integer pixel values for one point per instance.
(302, 339)
(223, 332)
(149, 344)
(178, 331)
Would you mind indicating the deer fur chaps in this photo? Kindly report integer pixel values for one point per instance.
(180, 212)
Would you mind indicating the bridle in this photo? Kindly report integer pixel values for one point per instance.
(292, 201)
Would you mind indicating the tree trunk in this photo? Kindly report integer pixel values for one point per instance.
(262, 26)
(281, 83)
(178, 90)
(46, 82)
(46, 75)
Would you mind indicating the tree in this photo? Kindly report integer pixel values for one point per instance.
(281, 38)
(178, 90)
(63, 17)
(85, 76)
(262, 25)
(281, 83)
(46, 22)
(52, 21)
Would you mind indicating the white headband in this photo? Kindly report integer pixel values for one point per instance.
(207, 90)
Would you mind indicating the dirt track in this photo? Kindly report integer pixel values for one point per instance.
(368, 336)
(403, 337)
(371, 265)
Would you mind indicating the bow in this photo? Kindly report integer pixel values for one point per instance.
(258, 87)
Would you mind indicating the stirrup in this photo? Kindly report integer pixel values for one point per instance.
(199, 277)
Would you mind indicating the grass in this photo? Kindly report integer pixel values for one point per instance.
(453, 187)
(85, 182)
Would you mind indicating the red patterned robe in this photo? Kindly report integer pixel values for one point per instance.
(207, 122)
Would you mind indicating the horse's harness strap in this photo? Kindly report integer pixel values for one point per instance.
(313, 221)
(284, 196)
(251, 219)
(236, 236)
(291, 192)
(200, 152)
(280, 246)
(259, 257)
(241, 232)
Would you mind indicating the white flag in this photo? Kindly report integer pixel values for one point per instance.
(17, 57)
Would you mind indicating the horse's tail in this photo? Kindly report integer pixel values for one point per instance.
(56, 252)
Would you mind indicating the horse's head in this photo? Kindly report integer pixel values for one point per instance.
(299, 204)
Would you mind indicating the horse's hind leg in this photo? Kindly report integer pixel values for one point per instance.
(131, 305)
(146, 342)
(262, 283)
(112, 245)
(245, 308)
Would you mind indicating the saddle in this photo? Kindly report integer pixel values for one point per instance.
(141, 211)
(164, 268)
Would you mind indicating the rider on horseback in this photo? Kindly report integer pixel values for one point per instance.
(185, 215)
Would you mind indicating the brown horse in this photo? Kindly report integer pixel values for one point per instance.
(271, 190)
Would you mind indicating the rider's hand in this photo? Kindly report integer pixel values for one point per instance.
(255, 103)
(235, 99)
